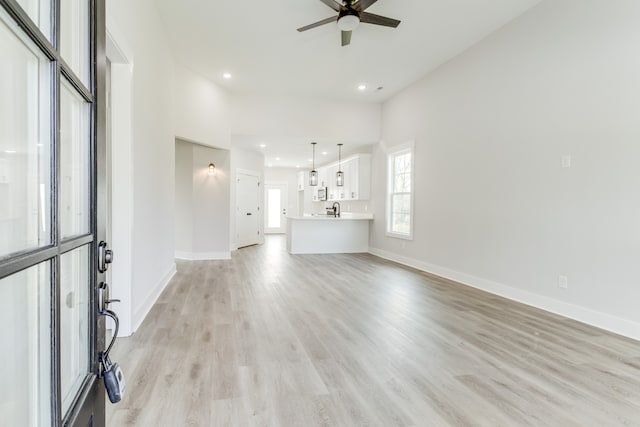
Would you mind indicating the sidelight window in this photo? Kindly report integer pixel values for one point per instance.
(400, 192)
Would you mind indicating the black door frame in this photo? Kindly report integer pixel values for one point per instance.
(88, 407)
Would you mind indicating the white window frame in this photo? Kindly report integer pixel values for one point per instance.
(392, 153)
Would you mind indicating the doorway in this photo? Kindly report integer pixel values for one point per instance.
(247, 209)
(52, 140)
(276, 207)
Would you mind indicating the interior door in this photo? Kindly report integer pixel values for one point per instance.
(247, 210)
(276, 197)
(51, 153)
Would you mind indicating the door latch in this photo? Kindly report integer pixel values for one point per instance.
(105, 256)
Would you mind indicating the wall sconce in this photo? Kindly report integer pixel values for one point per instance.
(212, 169)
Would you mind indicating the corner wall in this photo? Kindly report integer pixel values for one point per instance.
(202, 202)
(152, 155)
(493, 206)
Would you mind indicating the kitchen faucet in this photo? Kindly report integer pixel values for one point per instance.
(336, 209)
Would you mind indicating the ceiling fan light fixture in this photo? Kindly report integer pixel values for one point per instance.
(348, 22)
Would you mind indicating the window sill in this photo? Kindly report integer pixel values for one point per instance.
(399, 236)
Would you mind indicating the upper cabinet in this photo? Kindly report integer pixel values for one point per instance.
(358, 187)
(357, 179)
(302, 179)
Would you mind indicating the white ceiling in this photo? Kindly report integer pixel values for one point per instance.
(290, 152)
(258, 43)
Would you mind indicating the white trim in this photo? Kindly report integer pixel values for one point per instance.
(257, 174)
(121, 175)
(588, 316)
(391, 152)
(144, 308)
(202, 256)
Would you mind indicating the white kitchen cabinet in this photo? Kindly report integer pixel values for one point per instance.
(302, 180)
(357, 177)
(343, 191)
(322, 176)
(332, 187)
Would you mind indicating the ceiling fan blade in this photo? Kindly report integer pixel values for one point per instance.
(346, 38)
(332, 4)
(361, 5)
(370, 18)
(317, 24)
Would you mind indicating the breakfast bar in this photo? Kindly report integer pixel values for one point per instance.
(326, 234)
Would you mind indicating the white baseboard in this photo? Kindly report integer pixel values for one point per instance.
(591, 317)
(141, 312)
(202, 256)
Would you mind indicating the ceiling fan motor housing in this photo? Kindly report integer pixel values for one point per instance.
(348, 19)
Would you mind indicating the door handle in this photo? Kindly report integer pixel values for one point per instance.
(110, 372)
(104, 297)
(249, 214)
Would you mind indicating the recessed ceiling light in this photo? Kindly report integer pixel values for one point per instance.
(263, 145)
(362, 87)
(10, 151)
(227, 76)
(310, 160)
(324, 153)
(297, 166)
(277, 158)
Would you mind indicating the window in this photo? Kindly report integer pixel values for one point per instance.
(400, 192)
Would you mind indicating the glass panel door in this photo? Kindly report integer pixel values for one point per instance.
(51, 145)
(276, 201)
(74, 323)
(25, 371)
(25, 154)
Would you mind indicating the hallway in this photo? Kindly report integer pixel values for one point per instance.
(271, 339)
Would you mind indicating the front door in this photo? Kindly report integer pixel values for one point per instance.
(247, 210)
(276, 212)
(51, 197)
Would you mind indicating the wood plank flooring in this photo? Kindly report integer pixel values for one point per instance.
(271, 339)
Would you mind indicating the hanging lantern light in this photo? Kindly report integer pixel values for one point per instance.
(339, 174)
(313, 175)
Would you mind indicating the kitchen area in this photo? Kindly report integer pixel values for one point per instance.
(333, 208)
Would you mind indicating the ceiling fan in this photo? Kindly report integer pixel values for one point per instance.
(350, 14)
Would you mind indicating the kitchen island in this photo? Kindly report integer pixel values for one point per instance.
(326, 234)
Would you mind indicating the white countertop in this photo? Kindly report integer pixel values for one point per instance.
(324, 217)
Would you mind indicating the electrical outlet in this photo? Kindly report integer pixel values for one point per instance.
(566, 161)
(563, 282)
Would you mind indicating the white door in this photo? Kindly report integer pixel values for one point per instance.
(247, 210)
(276, 212)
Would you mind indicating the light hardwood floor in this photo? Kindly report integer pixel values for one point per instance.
(271, 339)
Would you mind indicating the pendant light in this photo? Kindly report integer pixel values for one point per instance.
(313, 175)
(339, 174)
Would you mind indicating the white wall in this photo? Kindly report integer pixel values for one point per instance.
(211, 195)
(166, 100)
(184, 197)
(152, 155)
(202, 202)
(494, 208)
(305, 117)
(201, 110)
